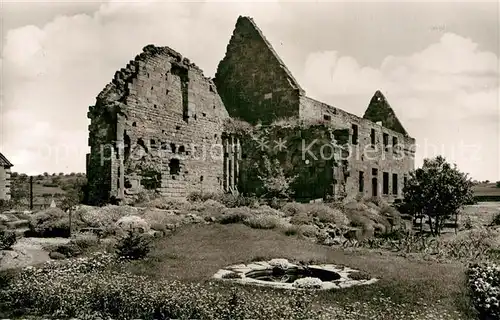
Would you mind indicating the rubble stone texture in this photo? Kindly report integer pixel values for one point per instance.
(5, 172)
(160, 126)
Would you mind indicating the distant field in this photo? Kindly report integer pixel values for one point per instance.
(486, 190)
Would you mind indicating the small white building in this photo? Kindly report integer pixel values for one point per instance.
(5, 166)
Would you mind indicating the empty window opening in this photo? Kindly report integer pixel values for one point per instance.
(195, 117)
(214, 107)
(394, 141)
(134, 124)
(128, 185)
(215, 136)
(173, 147)
(182, 149)
(394, 183)
(361, 181)
(167, 91)
(150, 179)
(141, 143)
(201, 179)
(177, 127)
(375, 172)
(127, 143)
(211, 88)
(152, 88)
(163, 146)
(204, 114)
(385, 183)
(175, 166)
(327, 117)
(153, 143)
(405, 180)
(354, 134)
(372, 136)
(154, 106)
(386, 139)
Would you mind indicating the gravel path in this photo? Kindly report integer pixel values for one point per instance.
(28, 251)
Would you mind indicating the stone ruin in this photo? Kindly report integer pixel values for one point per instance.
(161, 126)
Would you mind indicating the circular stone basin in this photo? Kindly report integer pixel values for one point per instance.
(280, 273)
(289, 275)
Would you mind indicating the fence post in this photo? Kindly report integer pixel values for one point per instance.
(31, 193)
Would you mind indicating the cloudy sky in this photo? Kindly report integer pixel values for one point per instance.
(437, 64)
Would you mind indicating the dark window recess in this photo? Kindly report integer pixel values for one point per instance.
(405, 180)
(134, 124)
(354, 134)
(127, 183)
(182, 149)
(141, 143)
(127, 144)
(204, 114)
(175, 166)
(153, 143)
(173, 147)
(177, 127)
(201, 179)
(361, 181)
(163, 146)
(385, 183)
(375, 171)
(327, 117)
(372, 137)
(394, 141)
(394, 183)
(386, 139)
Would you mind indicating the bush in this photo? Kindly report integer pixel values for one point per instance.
(484, 284)
(133, 246)
(234, 201)
(7, 239)
(497, 184)
(52, 222)
(496, 220)
(293, 208)
(326, 214)
(262, 221)
(301, 218)
(235, 215)
(132, 223)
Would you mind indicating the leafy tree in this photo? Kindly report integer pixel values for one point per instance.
(437, 190)
(45, 174)
(498, 184)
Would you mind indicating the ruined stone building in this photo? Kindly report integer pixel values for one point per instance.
(5, 166)
(162, 126)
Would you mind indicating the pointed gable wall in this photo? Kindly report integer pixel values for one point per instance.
(380, 110)
(252, 81)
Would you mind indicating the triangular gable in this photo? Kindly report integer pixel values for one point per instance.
(380, 110)
(4, 162)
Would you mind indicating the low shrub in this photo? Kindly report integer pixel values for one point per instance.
(496, 220)
(234, 201)
(262, 221)
(359, 275)
(327, 214)
(132, 223)
(309, 231)
(52, 222)
(133, 246)
(484, 285)
(301, 218)
(291, 230)
(234, 215)
(293, 208)
(7, 239)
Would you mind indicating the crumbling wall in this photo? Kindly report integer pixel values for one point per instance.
(253, 82)
(391, 159)
(309, 152)
(166, 128)
(4, 183)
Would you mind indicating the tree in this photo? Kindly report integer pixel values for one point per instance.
(45, 174)
(437, 190)
(498, 184)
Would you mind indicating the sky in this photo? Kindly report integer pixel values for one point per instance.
(436, 63)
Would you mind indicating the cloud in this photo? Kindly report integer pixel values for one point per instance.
(52, 73)
(447, 95)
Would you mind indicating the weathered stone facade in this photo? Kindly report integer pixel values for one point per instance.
(5, 166)
(157, 126)
(160, 126)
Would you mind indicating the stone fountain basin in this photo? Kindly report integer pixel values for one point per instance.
(284, 274)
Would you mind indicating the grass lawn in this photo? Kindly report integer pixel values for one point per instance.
(196, 252)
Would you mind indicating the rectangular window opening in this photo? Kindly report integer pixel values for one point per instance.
(385, 185)
(361, 181)
(354, 134)
(327, 117)
(372, 137)
(394, 183)
(386, 139)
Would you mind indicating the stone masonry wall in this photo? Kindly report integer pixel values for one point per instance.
(4, 183)
(253, 82)
(392, 160)
(296, 148)
(168, 128)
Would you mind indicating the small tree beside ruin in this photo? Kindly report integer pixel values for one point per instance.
(275, 183)
(438, 190)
